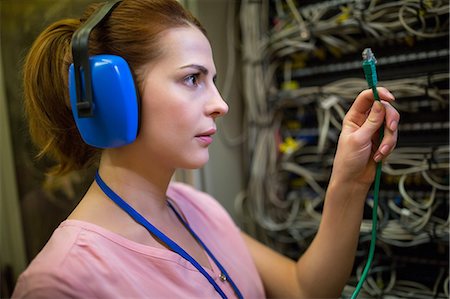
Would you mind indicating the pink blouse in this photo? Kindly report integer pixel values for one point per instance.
(83, 260)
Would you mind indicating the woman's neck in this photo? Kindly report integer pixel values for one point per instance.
(142, 184)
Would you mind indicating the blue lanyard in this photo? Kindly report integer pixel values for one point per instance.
(166, 240)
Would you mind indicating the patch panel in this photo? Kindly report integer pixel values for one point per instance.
(310, 70)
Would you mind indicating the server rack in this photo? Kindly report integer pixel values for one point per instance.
(301, 70)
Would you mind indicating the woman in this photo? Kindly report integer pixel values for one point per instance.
(103, 250)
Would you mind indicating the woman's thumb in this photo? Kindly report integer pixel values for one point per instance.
(374, 120)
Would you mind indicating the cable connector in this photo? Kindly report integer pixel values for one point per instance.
(369, 68)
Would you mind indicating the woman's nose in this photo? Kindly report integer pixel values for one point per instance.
(217, 106)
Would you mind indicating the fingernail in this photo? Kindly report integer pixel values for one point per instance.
(377, 106)
(385, 149)
(394, 125)
(377, 157)
(391, 96)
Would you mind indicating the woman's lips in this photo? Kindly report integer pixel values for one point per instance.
(206, 137)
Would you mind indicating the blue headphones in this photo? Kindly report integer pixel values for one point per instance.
(103, 95)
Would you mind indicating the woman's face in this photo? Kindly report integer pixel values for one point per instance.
(180, 101)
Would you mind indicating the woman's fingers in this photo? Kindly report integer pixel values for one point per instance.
(363, 103)
(392, 116)
(389, 141)
(374, 120)
(367, 117)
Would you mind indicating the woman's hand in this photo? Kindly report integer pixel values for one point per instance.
(359, 148)
(314, 275)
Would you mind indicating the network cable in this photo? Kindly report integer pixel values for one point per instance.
(370, 73)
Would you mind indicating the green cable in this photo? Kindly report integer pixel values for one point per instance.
(371, 78)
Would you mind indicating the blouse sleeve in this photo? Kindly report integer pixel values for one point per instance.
(46, 285)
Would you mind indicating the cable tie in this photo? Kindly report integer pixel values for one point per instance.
(430, 163)
(420, 12)
(427, 94)
(320, 91)
(432, 234)
(429, 79)
(432, 158)
(422, 6)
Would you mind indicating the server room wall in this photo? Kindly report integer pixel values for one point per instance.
(302, 68)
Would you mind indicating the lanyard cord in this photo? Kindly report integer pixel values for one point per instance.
(166, 240)
(219, 265)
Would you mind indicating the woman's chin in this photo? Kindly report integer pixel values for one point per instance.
(197, 163)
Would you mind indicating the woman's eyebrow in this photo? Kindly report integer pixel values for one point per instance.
(201, 68)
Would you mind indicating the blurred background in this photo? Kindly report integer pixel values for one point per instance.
(289, 71)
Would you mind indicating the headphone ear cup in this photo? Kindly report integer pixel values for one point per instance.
(115, 121)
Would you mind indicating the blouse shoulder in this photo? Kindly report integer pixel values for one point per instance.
(46, 276)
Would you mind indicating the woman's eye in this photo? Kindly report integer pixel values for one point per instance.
(191, 80)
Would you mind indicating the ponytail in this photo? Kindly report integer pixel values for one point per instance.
(47, 105)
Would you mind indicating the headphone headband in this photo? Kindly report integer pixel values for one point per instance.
(80, 49)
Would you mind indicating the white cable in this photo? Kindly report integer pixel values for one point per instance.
(438, 280)
(427, 204)
(230, 72)
(302, 25)
(446, 286)
(434, 183)
(410, 29)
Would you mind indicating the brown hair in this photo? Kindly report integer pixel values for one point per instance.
(132, 31)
